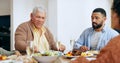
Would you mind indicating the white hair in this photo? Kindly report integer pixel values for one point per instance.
(38, 9)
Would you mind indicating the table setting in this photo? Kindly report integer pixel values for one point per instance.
(50, 56)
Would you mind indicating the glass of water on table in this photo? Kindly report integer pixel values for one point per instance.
(58, 43)
(30, 48)
(71, 44)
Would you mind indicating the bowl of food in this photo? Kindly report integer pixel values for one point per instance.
(46, 57)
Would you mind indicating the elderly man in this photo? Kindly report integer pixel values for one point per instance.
(34, 30)
(98, 35)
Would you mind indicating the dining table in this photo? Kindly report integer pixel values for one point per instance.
(60, 59)
(31, 59)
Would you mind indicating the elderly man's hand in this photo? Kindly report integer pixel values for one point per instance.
(62, 48)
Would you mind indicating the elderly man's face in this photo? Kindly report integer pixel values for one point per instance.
(97, 20)
(38, 19)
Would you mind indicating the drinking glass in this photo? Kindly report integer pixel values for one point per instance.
(58, 43)
(29, 48)
(72, 44)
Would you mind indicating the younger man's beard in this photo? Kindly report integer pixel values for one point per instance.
(96, 26)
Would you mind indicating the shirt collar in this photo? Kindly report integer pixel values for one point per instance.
(42, 28)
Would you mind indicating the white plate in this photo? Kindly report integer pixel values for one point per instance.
(95, 52)
(70, 57)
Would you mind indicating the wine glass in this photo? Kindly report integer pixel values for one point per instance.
(58, 43)
(72, 44)
(30, 48)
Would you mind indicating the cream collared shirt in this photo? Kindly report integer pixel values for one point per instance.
(40, 41)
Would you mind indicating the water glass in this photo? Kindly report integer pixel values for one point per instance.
(30, 48)
(58, 43)
(72, 44)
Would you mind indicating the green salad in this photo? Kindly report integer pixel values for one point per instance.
(48, 53)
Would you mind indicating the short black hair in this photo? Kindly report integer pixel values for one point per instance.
(101, 10)
(116, 7)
